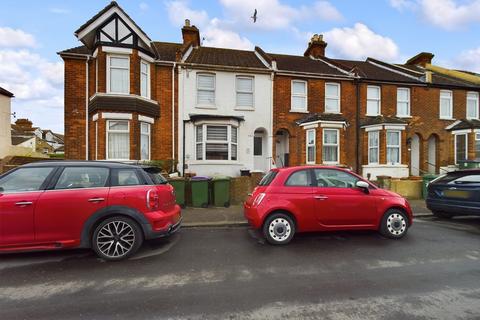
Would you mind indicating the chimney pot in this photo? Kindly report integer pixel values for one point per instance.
(190, 34)
(187, 22)
(316, 47)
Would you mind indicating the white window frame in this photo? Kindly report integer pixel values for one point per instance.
(338, 109)
(379, 100)
(204, 141)
(237, 91)
(214, 89)
(305, 96)
(377, 133)
(455, 145)
(148, 93)
(311, 145)
(324, 144)
(450, 116)
(403, 101)
(473, 96)
(399, 146)
(149, 135)
(116, 131)
(109, 67)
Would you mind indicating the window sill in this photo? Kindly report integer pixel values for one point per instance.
(298, 111)
(404, 117)
(244, 108)
(448, 119)
(373, 115)
(205, 106)
(329, 163)
(330, 112)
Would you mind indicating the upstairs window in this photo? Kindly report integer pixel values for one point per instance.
(311, 146)
(373, 146)
(393, 147)
(330, 146)
(332, 97)
(403, 102)
(446, 104)
(216, 142)
(472, 105)
(118, 75)
(145, 79)
(299, 96)
(373, 101)
(244, 88)
(118, 140)
(206, 89)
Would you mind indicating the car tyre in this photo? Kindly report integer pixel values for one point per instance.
(117, 238)
(394, 224)
(441, 214)
(279, 229)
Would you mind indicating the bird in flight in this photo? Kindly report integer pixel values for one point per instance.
(254, 17)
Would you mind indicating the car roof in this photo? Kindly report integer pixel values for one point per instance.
(310, 167)
(107, 164)
(467, 171)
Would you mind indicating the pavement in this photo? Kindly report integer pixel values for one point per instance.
(231, 273)
(233, 216)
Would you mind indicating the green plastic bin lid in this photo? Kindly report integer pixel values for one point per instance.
(219, 178)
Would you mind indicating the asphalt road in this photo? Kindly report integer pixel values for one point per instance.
(230, 273)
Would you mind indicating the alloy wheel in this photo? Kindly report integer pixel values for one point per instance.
(115, 239)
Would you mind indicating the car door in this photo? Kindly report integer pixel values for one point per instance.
(339, 203)
(19, 193)
(76, 194)
(461, 190)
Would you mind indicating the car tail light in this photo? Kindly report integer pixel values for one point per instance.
(152, 199)
(258, 199)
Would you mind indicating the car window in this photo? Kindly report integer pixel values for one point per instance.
(25, 179)
(331, 178)
(155, 175)
(268, 178)
(82, 177)
(125, 177)
(458, 178)
(299, 178)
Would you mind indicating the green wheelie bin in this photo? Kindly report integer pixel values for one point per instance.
(221, 191)
(426, 179)
(179, 185)
(200, 191)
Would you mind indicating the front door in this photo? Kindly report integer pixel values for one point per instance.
(19, 193)
(339, 203)
(259, 152)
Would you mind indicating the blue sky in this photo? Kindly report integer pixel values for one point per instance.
(31, 32)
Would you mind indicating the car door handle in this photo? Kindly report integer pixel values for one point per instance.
(321, 197)
(96, 199)
(24, 203)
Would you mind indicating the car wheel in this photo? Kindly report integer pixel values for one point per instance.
(117, 238)
(441, 214)
(394, 224)
(279, 228)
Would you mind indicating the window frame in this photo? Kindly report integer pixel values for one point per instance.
(408, 113)
(379, 100)
(455, 146)
(204, 142)
(214, 89)
(337, 145)
(108, 131)
(292, 95)
(399, 146)
(377, 132)
(58, 176)
(43, 186)
(109, 69)
(450, 117)
(148, 93)
(149, 135)
(477, 145)
(237, 91)
(476, 99)
(311, 145)
(309, 179)
(338, 97)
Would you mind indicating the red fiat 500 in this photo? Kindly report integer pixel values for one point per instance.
(109, 207)
(319, 198)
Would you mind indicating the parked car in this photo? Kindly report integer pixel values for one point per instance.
(455, 193)
(109, 207)
(321, 198)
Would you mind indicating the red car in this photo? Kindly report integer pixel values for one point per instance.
(109, 207)
(320, 198)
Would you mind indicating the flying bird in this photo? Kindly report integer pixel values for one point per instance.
(254, 17)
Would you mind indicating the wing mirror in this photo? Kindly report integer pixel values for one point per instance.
(363, 185)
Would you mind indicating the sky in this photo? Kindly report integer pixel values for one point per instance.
(32, 32)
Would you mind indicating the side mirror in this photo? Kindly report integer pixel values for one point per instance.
(363, 185)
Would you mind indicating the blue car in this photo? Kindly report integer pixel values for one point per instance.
(454, 194)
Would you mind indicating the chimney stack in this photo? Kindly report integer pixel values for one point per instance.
(316, 47)
(190, 34)
(421, 59)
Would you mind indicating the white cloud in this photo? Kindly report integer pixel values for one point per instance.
(215, 36)
(401, 5)
(179, 10)
(449, 15)
(143, 6)
(360, 42)
(15, 38)
(468, 60)
(326, 11)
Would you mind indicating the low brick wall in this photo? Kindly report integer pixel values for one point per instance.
(240, 187)
(12, 162)
(410, 189)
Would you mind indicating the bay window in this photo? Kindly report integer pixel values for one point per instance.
(403, 102)
(144, 141)
(461, 149)
(206, 89)
(472, 105)
(373, 146)
(145, 79)
(446, 104)
(393, 147)
(330, 152)
(118, 74)
(244, 88)
(216, 142)
(311, 147)
(373, 100)
(332, 97)
(118, 140)
(299, 95)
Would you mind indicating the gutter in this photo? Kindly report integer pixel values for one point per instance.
(173, 116)
(86, 108)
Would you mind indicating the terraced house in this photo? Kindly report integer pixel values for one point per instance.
(218, 110)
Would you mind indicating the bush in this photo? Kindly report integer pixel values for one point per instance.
(57, 156)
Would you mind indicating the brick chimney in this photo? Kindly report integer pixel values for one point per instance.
(316, 47)
(190, 34)
(421, 59)
(24, 124)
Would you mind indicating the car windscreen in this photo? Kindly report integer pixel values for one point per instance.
(459, 178)
(268, 178)
(155, 175)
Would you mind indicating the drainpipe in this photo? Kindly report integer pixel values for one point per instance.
(357, 128)
(183, 147)
(86, 108)
(173, 116)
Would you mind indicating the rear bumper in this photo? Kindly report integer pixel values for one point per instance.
(452, 207)
(253, 216)
(162, 224)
